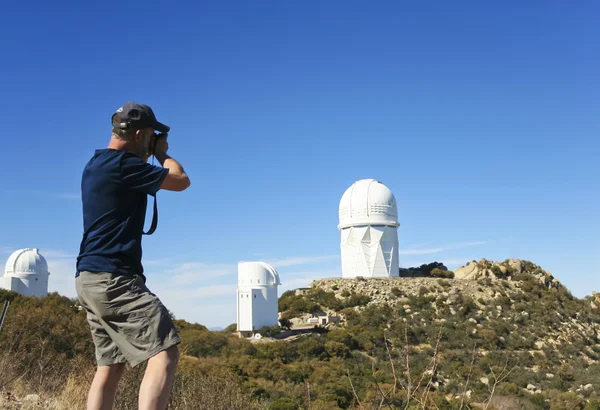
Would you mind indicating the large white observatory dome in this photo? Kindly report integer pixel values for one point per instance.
(26, 261)
(368, 202)
(368, 226)
(27, 273)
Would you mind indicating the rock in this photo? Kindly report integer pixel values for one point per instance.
(472, 320)
(596, 302)
(470, 271)
(531, 387)
(516, 265)
(485, 380)
(588, 387)
(549, 376)
(540, 344)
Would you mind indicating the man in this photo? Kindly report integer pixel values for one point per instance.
(128, 323)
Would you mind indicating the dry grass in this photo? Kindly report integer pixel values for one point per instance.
(198, 384)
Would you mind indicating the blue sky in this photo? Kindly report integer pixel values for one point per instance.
(481, 117)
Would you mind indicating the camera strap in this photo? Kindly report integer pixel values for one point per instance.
(155, 213)
(154, 219)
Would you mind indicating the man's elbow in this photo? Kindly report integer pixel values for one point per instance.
(183, 183)
(176, 183)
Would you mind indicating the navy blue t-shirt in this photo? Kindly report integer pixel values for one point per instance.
(114, 190)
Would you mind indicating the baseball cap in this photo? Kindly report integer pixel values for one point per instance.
(137, 116)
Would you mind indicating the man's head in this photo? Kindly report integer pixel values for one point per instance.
(135, 124)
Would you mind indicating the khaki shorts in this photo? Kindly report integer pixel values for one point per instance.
(128, 322)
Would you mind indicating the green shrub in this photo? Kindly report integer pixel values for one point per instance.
(284, 403)
(285, 323)
(440, 273)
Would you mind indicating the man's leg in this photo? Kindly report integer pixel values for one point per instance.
(158, 380)
(104, 387)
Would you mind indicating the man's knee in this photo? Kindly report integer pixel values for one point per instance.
(110, 374)
(168, 357)
(112, 369)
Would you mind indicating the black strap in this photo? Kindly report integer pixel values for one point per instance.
(155, 215)
(154, 219)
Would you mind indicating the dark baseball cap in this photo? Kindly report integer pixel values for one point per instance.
(137, 116)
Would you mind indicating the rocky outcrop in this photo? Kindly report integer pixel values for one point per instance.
(510, 269)
(595, 300)
(396, 290)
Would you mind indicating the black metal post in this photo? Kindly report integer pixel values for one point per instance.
(4, 311)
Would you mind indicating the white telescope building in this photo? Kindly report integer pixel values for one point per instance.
(26, 273)
(368, 223)
(256, 297)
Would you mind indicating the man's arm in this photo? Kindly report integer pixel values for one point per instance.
(177, 179)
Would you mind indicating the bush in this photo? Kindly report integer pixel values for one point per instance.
(269, 331)
(337, 349)
(440, 273)
(356, 300)
(295, 306)
(202, 343)
(284, 403)
(285, 323)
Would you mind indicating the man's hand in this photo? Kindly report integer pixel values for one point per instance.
(161, 147)
(177, 179)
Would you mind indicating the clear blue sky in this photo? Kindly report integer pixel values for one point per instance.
(481, 117)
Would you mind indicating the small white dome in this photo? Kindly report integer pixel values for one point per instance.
(368, 202)
(26, 261)
(257, 274)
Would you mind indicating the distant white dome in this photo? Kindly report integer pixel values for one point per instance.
(368, 202)
(257, 274)
(26, 262)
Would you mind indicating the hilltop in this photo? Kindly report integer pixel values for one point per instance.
(513, 313)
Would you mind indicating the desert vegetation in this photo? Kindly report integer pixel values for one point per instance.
(427, 343)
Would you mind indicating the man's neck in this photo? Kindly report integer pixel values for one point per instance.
(121, 145)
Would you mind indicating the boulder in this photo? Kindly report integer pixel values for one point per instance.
(516, 265)
(470, 271)
(596, 300)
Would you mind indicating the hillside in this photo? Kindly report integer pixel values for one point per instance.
(513, 313)
(504, 335)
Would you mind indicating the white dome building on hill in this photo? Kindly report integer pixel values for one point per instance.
(368, 223)
(26, 273)
(256, 297)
